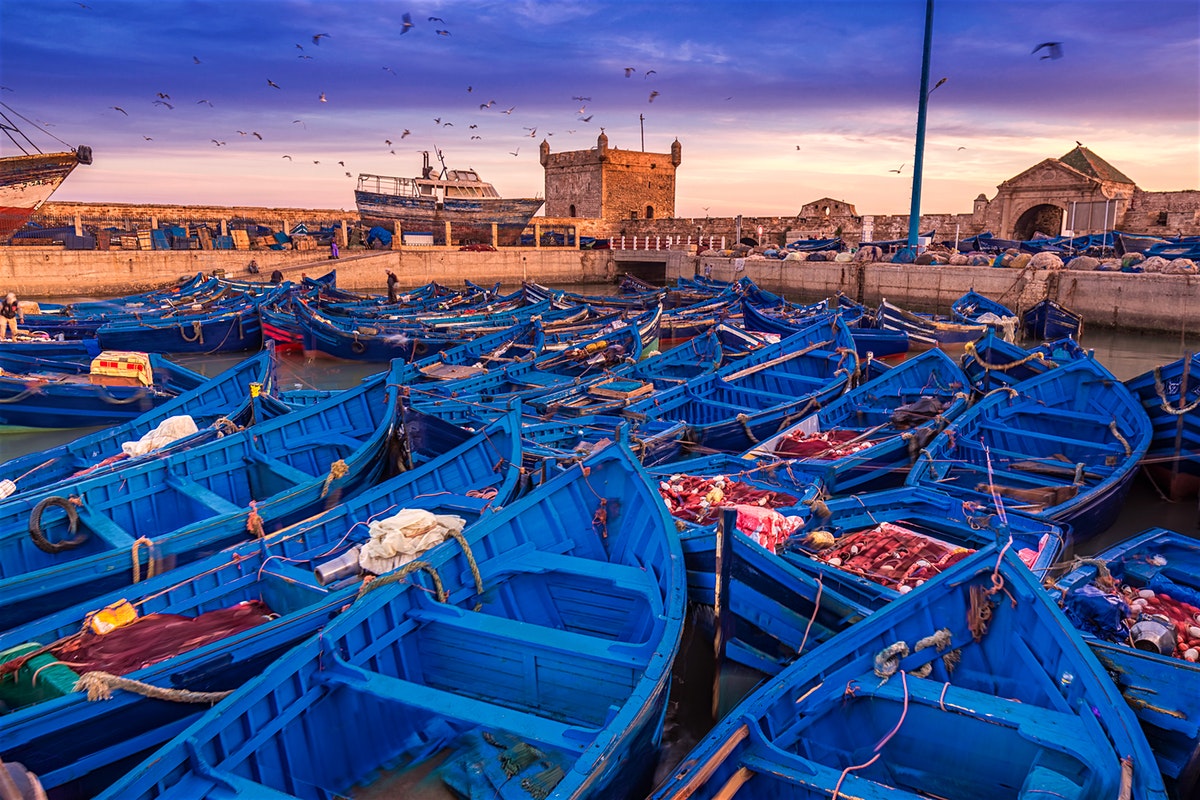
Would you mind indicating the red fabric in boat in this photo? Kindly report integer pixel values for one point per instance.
(155, 637)
(823, 445)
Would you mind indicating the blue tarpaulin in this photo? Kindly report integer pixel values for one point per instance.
(381, 235)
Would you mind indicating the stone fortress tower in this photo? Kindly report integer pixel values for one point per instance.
(610, 184)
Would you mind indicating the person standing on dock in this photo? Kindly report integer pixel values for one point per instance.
(333, 248)
(392, 283)
(10, 312)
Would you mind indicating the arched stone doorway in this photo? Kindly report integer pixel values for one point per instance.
(1044, 218)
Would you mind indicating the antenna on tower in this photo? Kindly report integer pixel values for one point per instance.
(642, 125)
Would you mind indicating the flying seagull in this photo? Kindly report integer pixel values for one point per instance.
(322, 98)
(195, 60)
(581, 98)
(1053, 49)
(272, 83)
(289, 158)
(118, 108)
(652, 96)
(437, 19)
(442, 33)
(629, 71)
(897, 171)
(163, 96)
(588, 118)
(408, 23)
(518, 151)
(317, 38)
(163, 103)
(147, 138)
(209, 102)
(650, 72)
(405, 133)
(389, 69)
(256, 135)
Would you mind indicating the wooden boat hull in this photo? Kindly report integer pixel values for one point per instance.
(227, 332)
(78, 746)
(871, 415)
(27, 181)
(861, 716)
(48, 393)
(1063, 446)
(888, 563)
(423, 676)
(927, 330)
(1048, 320)
(470, 220)
(1163, 689)
(761, 394)
(226, 395)
(174, 510)
(1170, 394)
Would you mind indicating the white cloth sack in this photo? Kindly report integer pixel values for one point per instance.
(169, 430)
(398, 539)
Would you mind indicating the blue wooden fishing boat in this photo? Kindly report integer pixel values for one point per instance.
(1048, 320)
(577, 364)
(1136, 604)
(876, 546)
(218, 331)
(991, 362)
(627, 382)
(58, 550)
(215, 623)
(1063, 446)
(558, 443)
(40, 345)
(928, 330)
(868, 437)
(977, 309)
(974, 685)
(111, 389)
(225, 397)
(868, 337)
(1170, 394)
(543, 674)
(761, 394)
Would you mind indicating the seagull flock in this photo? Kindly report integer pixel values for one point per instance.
(1051, 50)
(308, 51)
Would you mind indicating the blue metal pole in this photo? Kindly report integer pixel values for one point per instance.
(914, 214)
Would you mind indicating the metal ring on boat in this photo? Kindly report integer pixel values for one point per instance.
(35, 526)
(358, 347)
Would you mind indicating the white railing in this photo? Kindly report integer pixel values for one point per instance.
(667, 242)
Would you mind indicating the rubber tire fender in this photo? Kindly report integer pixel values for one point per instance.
(35, 526)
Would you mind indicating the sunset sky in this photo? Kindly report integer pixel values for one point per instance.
(775, 103)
